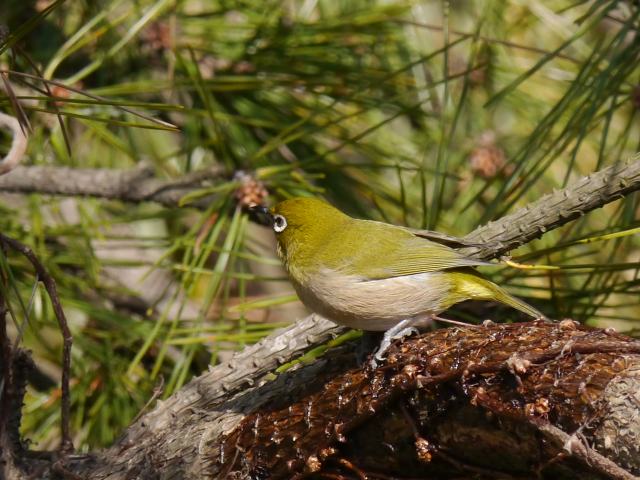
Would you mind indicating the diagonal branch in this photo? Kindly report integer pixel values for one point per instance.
(556, 209)
(241, 377)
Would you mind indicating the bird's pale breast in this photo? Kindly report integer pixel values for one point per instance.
(374, 304)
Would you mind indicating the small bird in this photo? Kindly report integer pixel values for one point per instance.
(372, 275)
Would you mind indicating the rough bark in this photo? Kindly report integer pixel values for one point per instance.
(555, 209)
(497, 399)
(135, 185)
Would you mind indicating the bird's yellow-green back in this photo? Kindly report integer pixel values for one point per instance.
(319, 236)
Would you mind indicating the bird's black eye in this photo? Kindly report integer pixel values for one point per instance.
(279, 223)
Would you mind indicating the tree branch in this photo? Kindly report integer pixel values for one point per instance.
(134, 185)
(223, 384)
(585, 453)
(555, 209)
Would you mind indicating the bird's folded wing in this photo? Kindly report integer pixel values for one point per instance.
(410, 257)
(444, 238)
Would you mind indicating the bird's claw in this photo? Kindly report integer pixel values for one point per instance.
(390, 335)
(407, 332)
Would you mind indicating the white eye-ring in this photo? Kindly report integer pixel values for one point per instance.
(279, 223)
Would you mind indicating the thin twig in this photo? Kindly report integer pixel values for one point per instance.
(5, 365)
(50, 286)
(157, 391)
(584, 453)
(18, 145)
(20, 115)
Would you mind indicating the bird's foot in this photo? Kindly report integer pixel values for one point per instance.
(403, 329)
(386, 341)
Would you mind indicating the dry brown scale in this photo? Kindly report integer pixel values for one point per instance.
(250, 191)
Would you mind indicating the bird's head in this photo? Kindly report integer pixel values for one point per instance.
(302, 224)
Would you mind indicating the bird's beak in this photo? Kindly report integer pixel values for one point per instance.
(262, 214)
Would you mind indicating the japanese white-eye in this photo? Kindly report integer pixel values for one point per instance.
(373, 275)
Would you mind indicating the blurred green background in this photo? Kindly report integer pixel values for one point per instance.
(432, 114)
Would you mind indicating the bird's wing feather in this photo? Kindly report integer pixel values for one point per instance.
(394, 252)
(444, 238)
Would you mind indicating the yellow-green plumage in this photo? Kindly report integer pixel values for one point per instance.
(372, 275)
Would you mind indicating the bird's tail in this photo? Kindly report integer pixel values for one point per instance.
(476, 287)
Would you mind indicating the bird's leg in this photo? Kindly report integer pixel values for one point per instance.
(406, 328)
(400, 330)
(449, 321)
